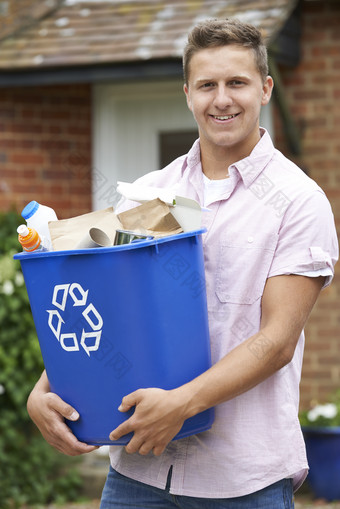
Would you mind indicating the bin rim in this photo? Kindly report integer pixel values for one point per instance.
(109, 249)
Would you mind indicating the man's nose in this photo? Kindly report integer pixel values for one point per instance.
(222, 97)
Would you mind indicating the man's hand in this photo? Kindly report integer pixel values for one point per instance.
(48, 411)
(158, 417)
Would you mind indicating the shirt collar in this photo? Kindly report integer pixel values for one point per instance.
(250, 167)
(194, 155)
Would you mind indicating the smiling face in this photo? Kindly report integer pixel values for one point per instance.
(225, 93)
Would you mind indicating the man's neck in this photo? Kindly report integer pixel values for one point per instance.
(217, 160)
(214, 169)
(215, 166)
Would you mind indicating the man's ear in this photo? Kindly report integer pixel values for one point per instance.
(186, 91)
(267, 90)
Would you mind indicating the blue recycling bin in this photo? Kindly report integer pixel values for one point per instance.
(113, 320)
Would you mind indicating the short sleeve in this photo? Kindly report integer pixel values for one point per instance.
(307, 238)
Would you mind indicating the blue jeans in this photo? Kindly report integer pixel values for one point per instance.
(120, 491)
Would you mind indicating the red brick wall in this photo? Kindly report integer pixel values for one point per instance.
(45, 148)
(313, 94)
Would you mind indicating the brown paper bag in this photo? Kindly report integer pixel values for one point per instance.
(151, 218)
(68, 233)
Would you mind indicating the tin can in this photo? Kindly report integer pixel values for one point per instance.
(126, 237)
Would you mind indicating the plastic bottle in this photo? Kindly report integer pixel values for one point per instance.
(37, 216)
(29, 239)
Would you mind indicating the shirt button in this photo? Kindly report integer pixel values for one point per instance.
(250, 239)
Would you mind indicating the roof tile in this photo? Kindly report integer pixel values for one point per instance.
(96, 32)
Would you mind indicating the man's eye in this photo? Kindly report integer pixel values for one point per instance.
(236, 83)
(207, 85)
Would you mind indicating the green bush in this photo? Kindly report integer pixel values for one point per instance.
(31, 471)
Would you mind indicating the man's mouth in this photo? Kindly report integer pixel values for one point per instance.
(225, 117)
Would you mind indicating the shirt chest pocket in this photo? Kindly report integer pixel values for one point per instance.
(244, 262)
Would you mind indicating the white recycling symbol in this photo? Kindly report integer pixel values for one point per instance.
(69, 341)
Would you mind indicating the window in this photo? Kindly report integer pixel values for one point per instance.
(174, 144)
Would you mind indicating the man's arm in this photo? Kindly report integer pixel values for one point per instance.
(286, 304)
(48, 411)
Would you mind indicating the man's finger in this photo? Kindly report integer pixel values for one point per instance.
(121, 430)
(145, 448)
(68, 444)
(129, 401)
(60, 406)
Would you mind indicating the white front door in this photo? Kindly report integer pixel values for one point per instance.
(131, 123)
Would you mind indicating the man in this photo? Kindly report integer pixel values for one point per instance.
(270, 247)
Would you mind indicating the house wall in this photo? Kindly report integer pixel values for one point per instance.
(313, 94)
(45, 148)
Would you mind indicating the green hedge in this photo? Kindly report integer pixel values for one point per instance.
(31, 471)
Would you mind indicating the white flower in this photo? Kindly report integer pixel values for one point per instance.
(19, 279)
(329, 410)
(313, 414)
(8, 287)
(2, 390)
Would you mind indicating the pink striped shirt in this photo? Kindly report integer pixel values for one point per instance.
(272, 220)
